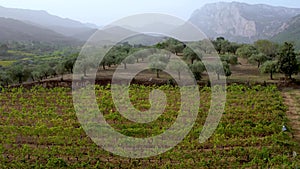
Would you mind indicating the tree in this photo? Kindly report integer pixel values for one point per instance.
(60, 70)
(266, 47)
(171, 45)
(230, 59)
(287, 62)
(46, 70)
(298, 61)
(36, 75)
(258, 58)
(207, 46)
(5, 79)
(233, 47)
(142, 54)
(189, 54)
(3, 49)
(177, 66)
(157, 63)
(269, 67)
(70, 61)
(19, 73)
(197, 68)
(221, 45)
(246, 51)
(123, 58)
(220, 69)
(226, 68)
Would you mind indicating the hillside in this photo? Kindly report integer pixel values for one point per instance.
(14, 30)
(242, 22)
(64, 26)
(290, 33)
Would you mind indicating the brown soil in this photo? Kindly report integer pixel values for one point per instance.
(293, 112)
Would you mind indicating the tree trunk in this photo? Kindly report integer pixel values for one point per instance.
(84, 72)
(218, 76)
(103, 66)
(157, 73)
(125, 65)
(271, 75)
(179, 75)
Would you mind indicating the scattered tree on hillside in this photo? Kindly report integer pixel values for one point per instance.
(230, 59)
(19, 73)
(206, 46)
(269, 67)
(189, 54)
(177, 66)
(246, 51)
(258, 59)
(266, 47)
(287, 62)
(197, 69)
(157, 63)
(218, 69)
(70, 61)
(60, 70)
(5, 79)
(171, 45)
(221, 45)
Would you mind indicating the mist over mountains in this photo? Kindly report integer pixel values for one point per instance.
(239, 22)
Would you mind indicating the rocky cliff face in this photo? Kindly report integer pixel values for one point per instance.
(242, 22)
(290, 32)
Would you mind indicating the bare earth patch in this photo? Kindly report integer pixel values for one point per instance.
(292, 100)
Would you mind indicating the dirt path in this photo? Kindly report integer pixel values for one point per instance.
(292, 100)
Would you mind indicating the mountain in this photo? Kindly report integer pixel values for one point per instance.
(14, 30)
(64, 26)
(290, 33)
(242, 22)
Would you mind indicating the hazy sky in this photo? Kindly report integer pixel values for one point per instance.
(102, 12)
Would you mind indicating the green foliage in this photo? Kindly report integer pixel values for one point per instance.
(197, 69)
(246, 51)
(178, 66)
(266, 47)
(19, 73)
(230, 59)
(287, 62)
(157, 63)
(189, 54)
(207, 46)
(60, 69)
(5, 79)
(270, 67)
(221, 45)
(258, 59)
(222, 69)
(171, 45)
(56, 163)
(298, 61)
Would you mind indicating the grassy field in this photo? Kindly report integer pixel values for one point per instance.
(40, 130)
